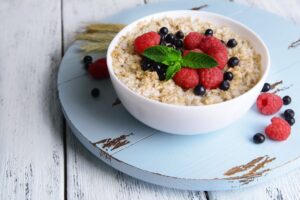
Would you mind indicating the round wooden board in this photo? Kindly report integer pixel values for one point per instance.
(224, 160)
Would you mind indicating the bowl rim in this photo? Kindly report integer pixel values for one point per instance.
(128, 27)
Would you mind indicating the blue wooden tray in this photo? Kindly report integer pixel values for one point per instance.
(224, 160)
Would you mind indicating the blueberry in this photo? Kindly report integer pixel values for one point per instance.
(161, 75)
(146, 64)
(233, 61)
(87, 59)
(86, 66)
(288, 113)
(179, 35)
(228, 76)
(286, 100)
(291, 121)
(266, 87)
(95, 92)
(199, 90)
(209, 32)
(178, 43)
(258, 138)
(170, 38)
(231, 43)
(163, 30)
(159, 67)
(225, 85)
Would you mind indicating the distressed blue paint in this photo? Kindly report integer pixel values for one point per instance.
(185, 162)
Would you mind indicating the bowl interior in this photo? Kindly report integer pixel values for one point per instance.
(216, 19)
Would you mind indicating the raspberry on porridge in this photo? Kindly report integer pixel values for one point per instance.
(235, 56)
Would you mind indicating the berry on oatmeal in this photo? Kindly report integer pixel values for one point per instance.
(98, 69)
(199, 90)
(210, 78)
(209, 32)
(231, 43)
(179, 35)
(163, 30)
(225, 85)
(170, 38)
(192, 40)
(145, 41)
(233, 61)
(278, 130)
(186, 78)
(228, 76)
(268, 103)
(178, 43)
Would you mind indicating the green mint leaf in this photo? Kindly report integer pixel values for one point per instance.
(199, 60)
(162, 54)
(172, 70)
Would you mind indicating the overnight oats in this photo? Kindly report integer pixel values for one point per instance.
(185, 61)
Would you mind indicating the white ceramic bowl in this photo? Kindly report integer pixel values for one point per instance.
(187, 120)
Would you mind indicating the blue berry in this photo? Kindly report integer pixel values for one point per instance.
(258, 138)
(225, 85)
(228, 76)
(231, 43)
(95, 92)
(199, 90)
(286, 100)
(87, 59)
(266, 87)
(179, 35)
(163, 30)
(233, 61)
(170, 38)
(209, 32)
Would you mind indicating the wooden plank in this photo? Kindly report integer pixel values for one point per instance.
(31, 129)
(88, 177)
(286, 187)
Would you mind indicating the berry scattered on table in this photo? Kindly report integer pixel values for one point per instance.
(278, 130)
(163, 30)
(288, 113)
(228, 76)
(268, 103)
(145, 41)
(186, 78)
(225, 85)
(233, 61)
(210, 78)
(266, 87)
(95, 92)
(179, 35)
(199, 90)
(98, 69)
(209, 32)
(286, 100)
(231, 43)
(291, 121)
(259, 138)
(192, 40)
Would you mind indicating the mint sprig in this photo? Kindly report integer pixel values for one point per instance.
(173, 59)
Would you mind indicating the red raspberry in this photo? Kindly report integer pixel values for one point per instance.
(145, 41)
(186, 78)
(278, 130)
(268, 103)
(185, 52)
(98, 69)
(215, 48)
(211, 78)
(192, 40)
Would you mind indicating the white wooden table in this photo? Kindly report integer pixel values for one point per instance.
(39, 156)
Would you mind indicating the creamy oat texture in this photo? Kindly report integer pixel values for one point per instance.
(126, 65)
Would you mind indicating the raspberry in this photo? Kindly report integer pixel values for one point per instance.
(185, 52)
(268, 103)
(98, 69)
(210, 78)
(278, 130)
(186, 78)
(145, 41)
(192, 40)
(215, 48)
